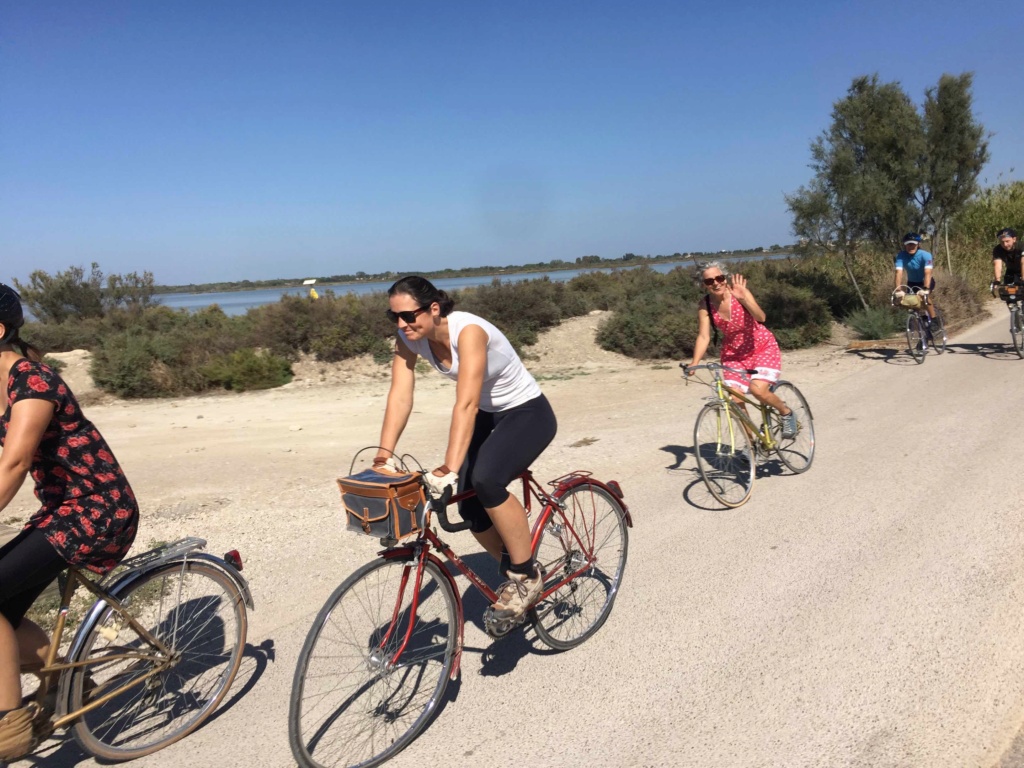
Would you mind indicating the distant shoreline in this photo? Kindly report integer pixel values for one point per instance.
(488, 271)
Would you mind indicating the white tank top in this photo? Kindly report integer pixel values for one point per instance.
(507, 383)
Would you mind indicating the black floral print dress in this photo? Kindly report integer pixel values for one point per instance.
(88, 513)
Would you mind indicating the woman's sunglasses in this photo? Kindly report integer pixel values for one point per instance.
(715, 279)
(409, 315)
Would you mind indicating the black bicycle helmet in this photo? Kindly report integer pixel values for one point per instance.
(911, 237)
(11, 314)
(1008, 232)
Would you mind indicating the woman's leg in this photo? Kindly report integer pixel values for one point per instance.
(760, 389)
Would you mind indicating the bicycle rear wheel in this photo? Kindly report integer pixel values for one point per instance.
(725, 456)
(915, 338)
(1017, 331)
(797, 452)
(937, 332)
(199, 614)
(588, 532)
(350, 706)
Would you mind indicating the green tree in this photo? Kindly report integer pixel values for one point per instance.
(66, 295)
(881, 168)
(131, 292)
(956, 151)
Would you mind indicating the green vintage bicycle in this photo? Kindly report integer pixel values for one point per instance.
(728, 443)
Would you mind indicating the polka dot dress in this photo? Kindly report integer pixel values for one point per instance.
(745, 342)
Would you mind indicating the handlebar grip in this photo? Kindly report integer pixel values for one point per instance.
(441, 510)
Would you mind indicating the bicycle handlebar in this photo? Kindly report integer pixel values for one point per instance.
(440, 506)
(717, 368)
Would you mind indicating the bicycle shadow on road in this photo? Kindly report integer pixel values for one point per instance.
(696, 493)
(993, 350)
(63, 751)
(502, 655)
(886, 355)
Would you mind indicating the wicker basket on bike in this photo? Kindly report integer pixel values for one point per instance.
(381, 503)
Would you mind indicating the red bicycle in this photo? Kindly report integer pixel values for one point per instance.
(376, 662)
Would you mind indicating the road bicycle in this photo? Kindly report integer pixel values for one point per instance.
(154, 655)
(922, 329)
(1012, 294)
(373, 670)
(727, 442)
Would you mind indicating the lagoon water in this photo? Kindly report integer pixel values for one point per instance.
(239, 302)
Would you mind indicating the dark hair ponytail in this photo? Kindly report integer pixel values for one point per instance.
(30, 351)
(424, 292)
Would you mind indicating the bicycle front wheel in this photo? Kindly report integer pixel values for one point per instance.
(938, 332)
(1017, 331)
(587, 531)
(352, 704)
(725, 456)
(915, 338)
(796, 452)
(199, 615)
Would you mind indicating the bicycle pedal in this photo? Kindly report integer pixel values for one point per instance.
(499, 628)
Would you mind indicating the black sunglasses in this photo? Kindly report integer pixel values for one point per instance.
(715, 279)
(408, 315)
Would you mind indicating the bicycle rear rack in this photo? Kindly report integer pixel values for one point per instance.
(159, 554)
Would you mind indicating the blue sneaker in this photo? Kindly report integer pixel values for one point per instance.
(789, 426)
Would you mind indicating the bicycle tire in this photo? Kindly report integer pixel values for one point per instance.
(728, 470)
(1017, 332)
(199, 613)
(937, 332)
(588, 527)
(915, 339)
(347, 707)
(797, 453)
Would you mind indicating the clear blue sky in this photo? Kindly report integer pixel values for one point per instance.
(214, 141)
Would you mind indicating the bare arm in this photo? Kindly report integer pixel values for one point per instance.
(746, 298)
(400, 398)
(899, 278)
(29, 419)
(997, 269)
(472, 366)
(700, 346)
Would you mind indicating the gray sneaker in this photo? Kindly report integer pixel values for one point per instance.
(517, 595)
(789, 428)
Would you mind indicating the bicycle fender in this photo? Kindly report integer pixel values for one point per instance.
(230, 571)
(614, 491)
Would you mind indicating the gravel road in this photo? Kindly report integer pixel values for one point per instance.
(866, 613)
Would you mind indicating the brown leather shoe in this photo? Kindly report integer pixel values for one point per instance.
(16, 733)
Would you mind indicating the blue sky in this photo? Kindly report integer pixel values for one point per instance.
(211, 141)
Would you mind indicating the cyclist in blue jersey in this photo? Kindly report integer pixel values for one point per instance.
(918, 265)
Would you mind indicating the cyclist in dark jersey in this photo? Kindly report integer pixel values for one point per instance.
(87, 516)
(1007, 255)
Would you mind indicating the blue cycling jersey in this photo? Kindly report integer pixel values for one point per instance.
(914, 265)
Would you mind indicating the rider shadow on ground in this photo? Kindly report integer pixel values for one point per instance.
(502, 655)
(63, 751)
(886, 355)
(995, 350)
(696, 493)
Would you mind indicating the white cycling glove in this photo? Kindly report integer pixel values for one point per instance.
(437, 484)
(923, 294)
(900, 294)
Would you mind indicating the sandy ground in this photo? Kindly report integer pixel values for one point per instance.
(865, 613)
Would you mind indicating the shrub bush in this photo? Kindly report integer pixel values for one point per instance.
(875, 322)
(246, 369)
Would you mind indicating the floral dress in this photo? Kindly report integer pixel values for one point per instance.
(88, 513)
(746, 343)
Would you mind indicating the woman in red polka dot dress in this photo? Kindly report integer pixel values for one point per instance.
(746, 343)
(87, 516)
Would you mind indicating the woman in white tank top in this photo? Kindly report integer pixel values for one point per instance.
(500, 423)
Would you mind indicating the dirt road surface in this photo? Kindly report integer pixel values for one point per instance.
(866, 613)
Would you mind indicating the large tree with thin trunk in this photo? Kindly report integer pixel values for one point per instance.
(883, 168)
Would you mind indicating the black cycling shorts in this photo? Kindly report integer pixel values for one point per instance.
(28, 563)
(920, 284)
(503, 445)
